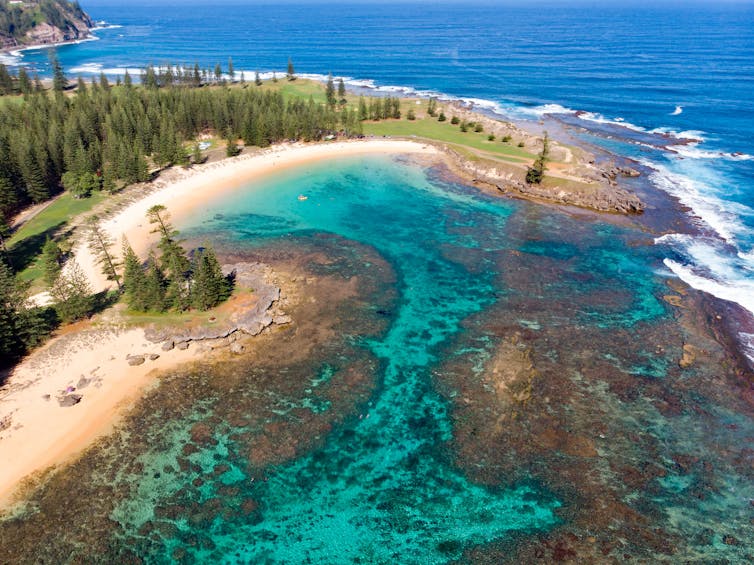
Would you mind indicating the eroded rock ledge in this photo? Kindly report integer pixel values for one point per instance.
(250, 318)
(603, 196)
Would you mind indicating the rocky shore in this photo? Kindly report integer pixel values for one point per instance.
(602, 196)
(251, 316)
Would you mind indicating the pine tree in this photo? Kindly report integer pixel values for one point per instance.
(24, 84)
(432, 107)
(291, 74)
(52, 258)
(210, 287)
(196, 156)
(100, 243)
(21, 325)
(330, 91)
(134, 279)
(72, 293)
(257, 80)
(342, 92)
(536, 173)
(154, 286)
(231, 70)
(59, 80)
(12, 299)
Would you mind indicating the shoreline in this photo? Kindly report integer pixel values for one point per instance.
(196, 185)
(36, 432)
(17, 50)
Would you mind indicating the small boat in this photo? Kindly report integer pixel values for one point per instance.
(301, 197)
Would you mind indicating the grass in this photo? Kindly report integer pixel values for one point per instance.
(299, 88)
(430, 128)
(26, 244)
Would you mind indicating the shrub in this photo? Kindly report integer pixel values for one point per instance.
(454, 120)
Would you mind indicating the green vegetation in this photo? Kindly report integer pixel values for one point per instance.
(536, 172)
(444, 132)
(16, 20)
(22, 327)
(93, 141)
(291, 73)
(176, 281)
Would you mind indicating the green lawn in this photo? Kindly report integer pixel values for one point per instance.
(26, 244)
(430, 128)
(299, 88)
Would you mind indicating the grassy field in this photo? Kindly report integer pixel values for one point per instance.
(26, 244)
(299, 88)
(430, 128)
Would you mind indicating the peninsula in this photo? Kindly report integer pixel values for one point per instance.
(41, 22)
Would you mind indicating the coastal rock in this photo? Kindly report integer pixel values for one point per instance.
(602, 195)
(69, 400)
(236, 348)
(134, 360)
(252, 313)
(154, 356)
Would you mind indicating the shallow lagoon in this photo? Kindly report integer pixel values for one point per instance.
(467, 378)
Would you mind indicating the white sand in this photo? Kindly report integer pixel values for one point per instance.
(42, 433)
(201, 184)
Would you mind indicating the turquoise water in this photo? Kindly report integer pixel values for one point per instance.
(667, 83)
(467, 379)
(380, 490)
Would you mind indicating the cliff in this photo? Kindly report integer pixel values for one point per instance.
(41, 22)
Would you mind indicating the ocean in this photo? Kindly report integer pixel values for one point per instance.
(467, 378)
(668, 84)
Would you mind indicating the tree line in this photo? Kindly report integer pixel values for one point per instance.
(176, 280)
(106, 137)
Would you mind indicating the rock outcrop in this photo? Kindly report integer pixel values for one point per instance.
(42, 23)
(603, 196)
(250, 318)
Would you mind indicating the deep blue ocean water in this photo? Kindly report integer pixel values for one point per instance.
(641, 75)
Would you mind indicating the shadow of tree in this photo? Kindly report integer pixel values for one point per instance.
(22, 253)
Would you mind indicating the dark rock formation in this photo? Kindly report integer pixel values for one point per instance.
(68, 400)
(134, 360)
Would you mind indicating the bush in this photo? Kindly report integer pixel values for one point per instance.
(521, 144)
(506, 139)
(491, 137)
(410, 115)
(442, 117)
(478, 128)
(464, 127)
(454, 120)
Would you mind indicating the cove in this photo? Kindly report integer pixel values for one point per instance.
(467, 378)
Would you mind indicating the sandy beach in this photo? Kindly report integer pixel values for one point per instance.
(201, 184)
(91, 364)
(36, 432)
